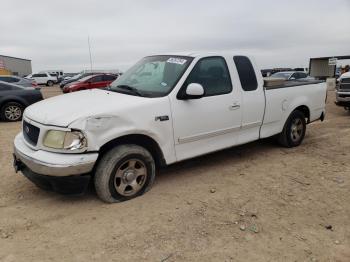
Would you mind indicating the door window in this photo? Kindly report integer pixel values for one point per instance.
(109, 78)
(96, 79)
(212, 73)
(299, 75)
(5, 87)
(39, 75)
(9, 79)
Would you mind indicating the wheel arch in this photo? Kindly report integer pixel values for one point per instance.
(305, 110)
(137, 139)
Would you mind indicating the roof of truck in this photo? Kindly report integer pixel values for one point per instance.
(195, 54)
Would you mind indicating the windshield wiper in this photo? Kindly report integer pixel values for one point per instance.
(130, 88)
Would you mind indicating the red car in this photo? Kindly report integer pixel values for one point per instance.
(89, 82)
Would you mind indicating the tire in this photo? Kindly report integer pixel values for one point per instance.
(294, 130)
(11, 112)
(123, 173)
(49, 83)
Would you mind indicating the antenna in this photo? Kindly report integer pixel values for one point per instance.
(90, 53)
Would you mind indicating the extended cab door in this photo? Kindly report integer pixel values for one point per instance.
(253, 99)
(213, 121)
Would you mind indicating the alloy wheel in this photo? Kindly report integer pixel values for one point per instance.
(297, 129)
(130, 177)
(13, 113)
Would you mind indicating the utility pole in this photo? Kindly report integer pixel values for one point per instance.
(90, 53)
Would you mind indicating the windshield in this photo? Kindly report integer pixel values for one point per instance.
(284, 75)
(153, 76)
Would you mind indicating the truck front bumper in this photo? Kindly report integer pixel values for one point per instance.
(342, 98)
(63, 173)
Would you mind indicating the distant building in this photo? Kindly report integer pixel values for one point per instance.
(15, 66)
(325, 67)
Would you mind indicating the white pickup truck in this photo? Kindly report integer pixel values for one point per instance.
(164, 109)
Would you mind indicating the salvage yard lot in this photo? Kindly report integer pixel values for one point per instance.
(257, 202)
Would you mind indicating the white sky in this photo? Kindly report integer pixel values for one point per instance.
(277, 32)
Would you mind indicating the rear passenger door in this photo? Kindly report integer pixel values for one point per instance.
(212, 122)
(253, 99)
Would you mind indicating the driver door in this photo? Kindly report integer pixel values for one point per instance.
(211, 122)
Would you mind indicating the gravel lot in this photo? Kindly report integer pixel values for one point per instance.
(257, 202)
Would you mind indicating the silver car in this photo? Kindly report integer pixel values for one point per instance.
(292, 75)
(18, 81)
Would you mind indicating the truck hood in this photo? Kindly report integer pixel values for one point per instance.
(64, 109)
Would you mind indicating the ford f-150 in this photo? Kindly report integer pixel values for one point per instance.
(164, 109)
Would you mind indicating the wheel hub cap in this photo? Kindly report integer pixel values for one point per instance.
(130, 177)
(13, 113)
(297, 129)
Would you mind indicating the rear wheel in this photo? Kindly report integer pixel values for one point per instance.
(11, 112)
(49, 83)
(294, 130)
(123, 173)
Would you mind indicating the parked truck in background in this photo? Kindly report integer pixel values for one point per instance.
(343, 91)
(164, 109)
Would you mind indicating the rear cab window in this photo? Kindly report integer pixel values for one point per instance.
(246, 73)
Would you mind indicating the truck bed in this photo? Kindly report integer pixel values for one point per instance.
(281, 100)
(294, 83)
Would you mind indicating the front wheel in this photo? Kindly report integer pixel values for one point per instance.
(49, 83)
(123, 173)
(294, 130)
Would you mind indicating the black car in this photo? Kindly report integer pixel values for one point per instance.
(14, 99)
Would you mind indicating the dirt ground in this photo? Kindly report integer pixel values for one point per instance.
(257, 202)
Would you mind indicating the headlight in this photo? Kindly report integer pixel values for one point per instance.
(69, 140)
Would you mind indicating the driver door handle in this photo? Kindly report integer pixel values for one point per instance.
(235, 106)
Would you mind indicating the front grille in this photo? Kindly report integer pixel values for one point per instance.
(344, 84)
(30, 133)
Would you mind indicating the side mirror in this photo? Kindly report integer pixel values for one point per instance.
(89, 82)
(292, 78)
(194, 91)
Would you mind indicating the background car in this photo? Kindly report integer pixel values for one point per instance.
(19, 81)
(68, 76)
(89, 82)
(14, 99)
(75, 78)
(290, 75)
(43, 78)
